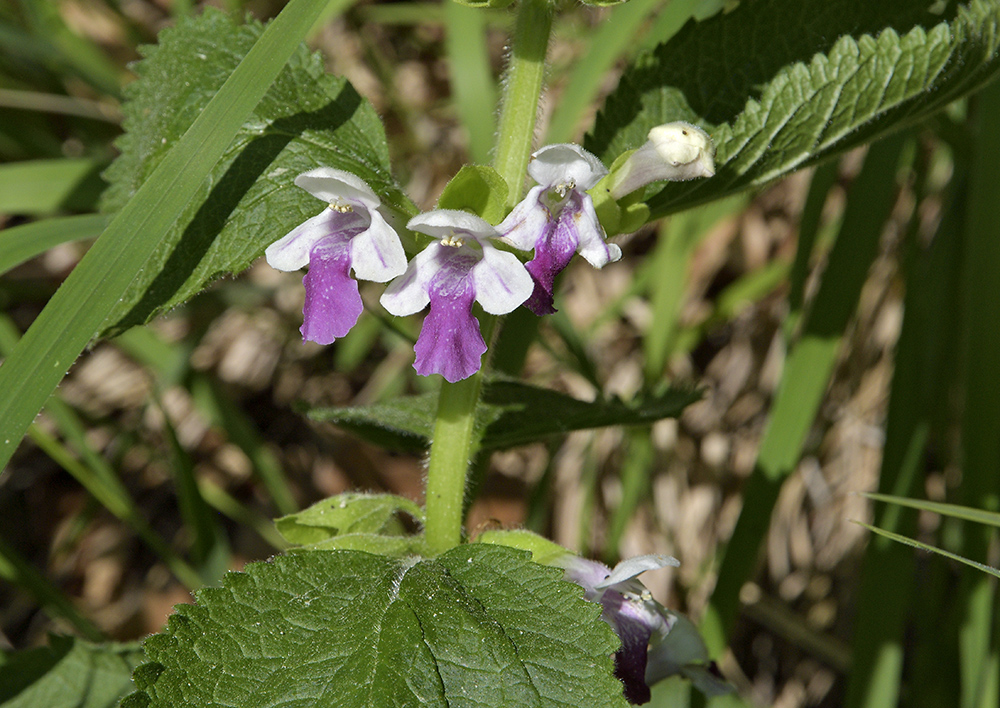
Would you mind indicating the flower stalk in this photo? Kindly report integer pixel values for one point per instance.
(452, 447)
(522, 90)
(455, 438)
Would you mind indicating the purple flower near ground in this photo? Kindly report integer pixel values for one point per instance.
(557, 219)
(461, 267)
(656, 642)
(350, 233)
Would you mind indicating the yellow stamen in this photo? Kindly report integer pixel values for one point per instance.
(564, 188)
(342, 208)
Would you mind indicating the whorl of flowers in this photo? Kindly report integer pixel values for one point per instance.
(468, 260)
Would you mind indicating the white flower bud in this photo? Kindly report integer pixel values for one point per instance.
(675, 152)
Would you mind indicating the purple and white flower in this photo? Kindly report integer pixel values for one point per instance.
(460, 267)
(656, 642)
(557, 219)
(350, 234)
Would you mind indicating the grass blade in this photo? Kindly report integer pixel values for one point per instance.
(888, 570)
(578, 359)
(472, 82)
(988, 569)
(22, 243)
(93, 473)
(978, 649)
(954, 511)
(332, 10)
(219, 499)
(77, 310)
(72, 52)
(59, 104)
(242, 432)
(669, 22)
(635, 475)
(614, 39)
(17, 571)
(805, 378)
(47, 186)
(209, 545)
(823, 179)
(171, 363)
(668, 269)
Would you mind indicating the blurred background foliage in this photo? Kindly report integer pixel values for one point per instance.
(842, 325)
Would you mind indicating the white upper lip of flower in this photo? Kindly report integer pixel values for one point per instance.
(633, 567)
(566, 166)
(337, 187)
(462, 265)
(500, 279)
(350, 234)
(376, 253)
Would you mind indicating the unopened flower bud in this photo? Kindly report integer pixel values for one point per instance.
(675, 152)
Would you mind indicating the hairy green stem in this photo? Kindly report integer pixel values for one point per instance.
(453, 447)
(522, 89)
(456, 439)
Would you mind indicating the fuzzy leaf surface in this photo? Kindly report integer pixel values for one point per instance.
(307, 119)
(477, 626)
(510, 414)
(68, 673)
(782, 84)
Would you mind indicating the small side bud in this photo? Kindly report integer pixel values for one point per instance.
(675, 152)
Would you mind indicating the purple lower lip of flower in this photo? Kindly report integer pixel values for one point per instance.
(450, 343)
(333, 302)
(627, 606)
(556, 221)
(634, 630)
(553, 252)
(460, 268)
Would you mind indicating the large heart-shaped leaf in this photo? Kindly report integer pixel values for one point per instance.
(781, 84)
(480, 625)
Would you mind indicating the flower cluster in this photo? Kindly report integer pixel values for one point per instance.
(462, 265)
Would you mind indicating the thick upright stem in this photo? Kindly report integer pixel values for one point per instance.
(452, 449)
(522, 90)
(455, 440)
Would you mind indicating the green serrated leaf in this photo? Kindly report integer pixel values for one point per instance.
(844, 73)
(477, 626)
(307, 119)
(478, 189)
(348, 514)
(510, 414)
(68, 673)
(402, 424)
